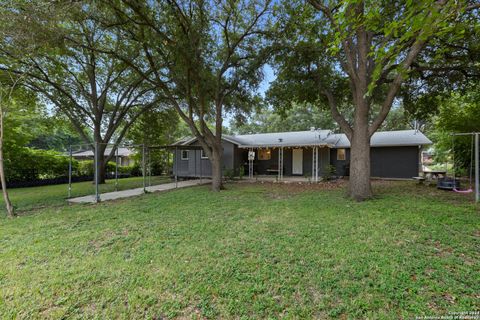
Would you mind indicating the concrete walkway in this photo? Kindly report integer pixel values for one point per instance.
(138, 191)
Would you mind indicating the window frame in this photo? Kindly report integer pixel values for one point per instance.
(344, 154)
(184, 158)
(266, 152)
(203, 155)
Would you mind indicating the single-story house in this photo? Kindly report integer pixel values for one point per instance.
(125, 156)
(313, 153)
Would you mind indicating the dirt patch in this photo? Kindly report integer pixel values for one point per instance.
(285, 190)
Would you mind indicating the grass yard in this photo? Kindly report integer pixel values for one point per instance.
(251, 251)
(24, 199)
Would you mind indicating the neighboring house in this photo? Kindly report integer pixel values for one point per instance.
(125, 156)
(394, 154)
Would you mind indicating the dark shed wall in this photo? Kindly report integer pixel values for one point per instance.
(386, 162)
(395, 162)
(191, 167)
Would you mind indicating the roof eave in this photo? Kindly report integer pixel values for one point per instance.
(248, 146)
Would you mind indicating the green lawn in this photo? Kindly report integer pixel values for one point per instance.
(251, 251)
(25, 199)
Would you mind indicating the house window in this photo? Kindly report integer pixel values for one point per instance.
(203, 155)
(264, 154)
(341, 154)
(184, 154)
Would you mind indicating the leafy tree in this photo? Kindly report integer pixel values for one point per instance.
(206, 57)
(448, 63)
(303, 116)
(458, 114)
(100, 94)
(361, 48)
(15, 34)
(298, 117)
(156, 128)
(52, 132)
(7, 90)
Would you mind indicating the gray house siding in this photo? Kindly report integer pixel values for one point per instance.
(340, 165)
(399, 162)
(262, 166)
(386, 162)
(195, 166)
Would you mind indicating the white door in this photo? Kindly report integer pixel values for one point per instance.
(297, 161)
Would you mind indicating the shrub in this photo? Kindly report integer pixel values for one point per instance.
(330, 171)
(27, 164)
(241, 172)
(85, 168)
(229, 174)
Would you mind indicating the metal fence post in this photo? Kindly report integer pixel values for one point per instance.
(97, 173)
(116, 169)
(149, 167)
(70, 173)
(143, 168)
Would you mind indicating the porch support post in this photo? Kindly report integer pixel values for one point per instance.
(316, 164)
(250, 164)
(280, 163)
(313, 163)
(278, 175)
(281, 168)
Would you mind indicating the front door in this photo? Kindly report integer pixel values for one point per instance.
(297, 161)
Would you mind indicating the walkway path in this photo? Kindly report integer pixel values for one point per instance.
(138, 191)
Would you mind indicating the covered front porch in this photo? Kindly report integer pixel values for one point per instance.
(303, 163)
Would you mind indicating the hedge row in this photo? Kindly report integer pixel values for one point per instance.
(28, 166)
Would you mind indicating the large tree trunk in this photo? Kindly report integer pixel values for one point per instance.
(102, 168)
(217, 166)
(101, 163)
(6, 198)
(359, 186)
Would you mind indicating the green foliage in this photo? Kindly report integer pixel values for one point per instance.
(315, 43)
(158, 127)
(459, 113)
(299, 117)
(329, 172)
(86, 168)
(303, 116)
(241, 172)
(229, 174)
(26, 164)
